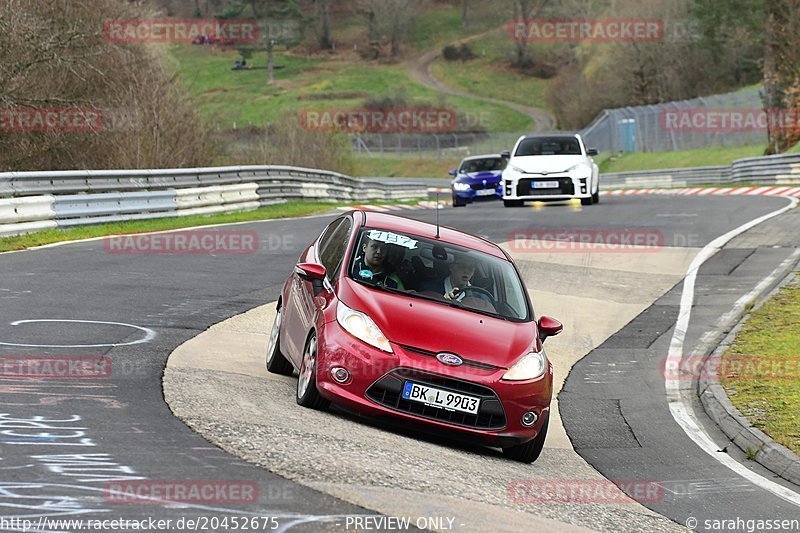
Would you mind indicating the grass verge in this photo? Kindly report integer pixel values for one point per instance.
(289, 209)
(762, 368)
(405, 167)
(704, 157)
(490, 75)
(235, 99)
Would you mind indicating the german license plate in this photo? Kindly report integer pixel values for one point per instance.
(485, 192)
(450, 401)
(545, 185)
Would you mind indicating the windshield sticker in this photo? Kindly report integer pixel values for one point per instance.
(393, 238)
(366, 273)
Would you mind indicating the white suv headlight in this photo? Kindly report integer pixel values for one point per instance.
(361, 326)
(532, 366)
(581, 169)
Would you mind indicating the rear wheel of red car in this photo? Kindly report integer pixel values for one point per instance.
(307, 393)
(276, 361)
(529, 452)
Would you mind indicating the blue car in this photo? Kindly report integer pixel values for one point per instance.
(478, 178)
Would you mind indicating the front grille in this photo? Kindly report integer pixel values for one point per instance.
(387, 391)
(482, 186)
(465, 362)
(565, 187)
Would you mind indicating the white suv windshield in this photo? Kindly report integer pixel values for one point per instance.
(548, 146)
(442, 272)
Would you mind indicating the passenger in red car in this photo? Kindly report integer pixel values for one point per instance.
(369, 265)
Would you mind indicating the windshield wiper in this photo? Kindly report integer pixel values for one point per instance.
(459, 305)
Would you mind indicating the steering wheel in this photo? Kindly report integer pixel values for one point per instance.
(480, 290)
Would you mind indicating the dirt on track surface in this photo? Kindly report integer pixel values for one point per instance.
(420, 70)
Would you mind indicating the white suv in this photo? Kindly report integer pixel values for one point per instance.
(551, 167)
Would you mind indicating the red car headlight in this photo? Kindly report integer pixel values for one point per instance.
(361, 326)
(532, 366)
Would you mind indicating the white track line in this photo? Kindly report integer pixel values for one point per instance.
(680, 408)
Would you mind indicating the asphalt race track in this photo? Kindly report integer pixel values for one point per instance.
(64, 441)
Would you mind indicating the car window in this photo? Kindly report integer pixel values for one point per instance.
(425, 268)
(487, 164)
(333, 245)
(548, 146)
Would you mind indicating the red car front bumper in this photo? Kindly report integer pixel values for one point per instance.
(374, 375)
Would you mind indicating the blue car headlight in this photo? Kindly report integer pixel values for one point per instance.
(461, 187)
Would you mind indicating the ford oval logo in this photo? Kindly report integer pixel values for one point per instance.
(449, 359)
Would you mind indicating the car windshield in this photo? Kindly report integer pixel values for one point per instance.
(441, 272)
(549, 146)
(486, 164)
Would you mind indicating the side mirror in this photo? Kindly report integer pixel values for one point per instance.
(592, 152)
(549, 327)
(453, 172)
(505, 154)
(312, 272)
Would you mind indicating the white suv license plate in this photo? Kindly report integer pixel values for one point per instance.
(449, 401)
(545, 185)
(485, 192)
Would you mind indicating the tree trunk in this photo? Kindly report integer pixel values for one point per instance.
(270, 77)
(325, 41)
(521, 11)
(770, 84)
(464, 12)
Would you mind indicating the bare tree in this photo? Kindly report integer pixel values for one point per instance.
(54, 55)
(389, 20)
(523, 11)
(324, 13)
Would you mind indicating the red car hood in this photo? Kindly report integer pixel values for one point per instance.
(440, 328)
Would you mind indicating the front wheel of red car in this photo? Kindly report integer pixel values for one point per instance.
(530, 451)
(307, 393)
(276, 361)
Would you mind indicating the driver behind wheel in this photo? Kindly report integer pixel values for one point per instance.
(452, 287)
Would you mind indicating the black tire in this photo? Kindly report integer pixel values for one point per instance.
(587, 201)
(596, 197)
(530, 451)
(276, 361)
(513, 203)
(307, 393)
(458, 203)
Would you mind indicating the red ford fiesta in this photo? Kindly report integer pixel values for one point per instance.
(398, 318)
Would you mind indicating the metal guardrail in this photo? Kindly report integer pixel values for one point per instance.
(32, 201)
(767, 170)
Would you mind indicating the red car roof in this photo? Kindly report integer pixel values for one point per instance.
(424, 229)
